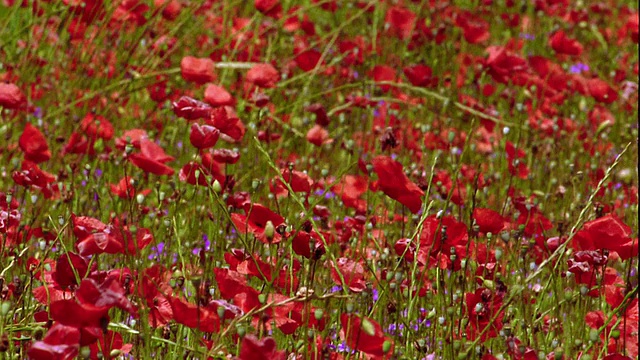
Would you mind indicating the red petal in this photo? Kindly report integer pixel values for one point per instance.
(34, 144)
(218, 96)
(198, 70)
(263, 75)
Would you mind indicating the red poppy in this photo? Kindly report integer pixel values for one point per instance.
(198, 70)
(350, 189)
(271, 8)
(401, 21)
(607, 232)
(517, 166)
(218, 96)
(308, 60)
(203, 136)
(97, 126)
(152, 158)
(420, 75)
(352, 272)
(489, 221)
(105, 295)
(318, 136)
(31, 175)
(68, 266)
(11, 97)
(106, 344)
(562, 44)
(365, 334)
(133, 137)
(125, 189)
(395, 184)
(225, 120)
(483, 311)
(474, 29)
(170, 8)
(438, 237)
(321, 113)
(256, 220)
(263, 75)
(503, 64)
(194, 174)
(601, 91)
(61, 342)
(226, 156)
(194, 316)
(34, 145)
(383, 73)
(191, 109)
(264, 349)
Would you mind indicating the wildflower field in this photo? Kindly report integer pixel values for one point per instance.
(318, 179)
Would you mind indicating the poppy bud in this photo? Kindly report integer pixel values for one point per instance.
(216, 187)
(386, 346)
(269, 230)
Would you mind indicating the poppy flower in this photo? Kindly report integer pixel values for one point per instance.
(61, 342)
(217, 96)
(321, 113)
(224, 119)
(350, 189)
(489, 221)
(352, 272)
(198, 70)
(194, 174)
(517, 166)
(133, 137)
(170, 8)
(108, 294)
(194, 316)
(503, 64)
(401, 21)
(318, 136)
(308, 60)
(271, 8)
(67, 266)
(601, 91)
(203, 136)
(97, 126)
(474, 29)
(395, 184)
(420, 75)
(32, 176)
(365, 334)
(11, 97)
(191, 109)
(483, 311)
(562, 44)
(256, 221)
(253, 348)
(152, 158)
(607, 233)
(383, 73)
(34, 145)
(439, 236)
(226, 156)
(125, 189)
(263, 75)
(107, 343)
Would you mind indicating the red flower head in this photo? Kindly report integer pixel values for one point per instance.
(34, 145)
(395, 184)
(11, 97)
(198, 70)
(263, 75)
